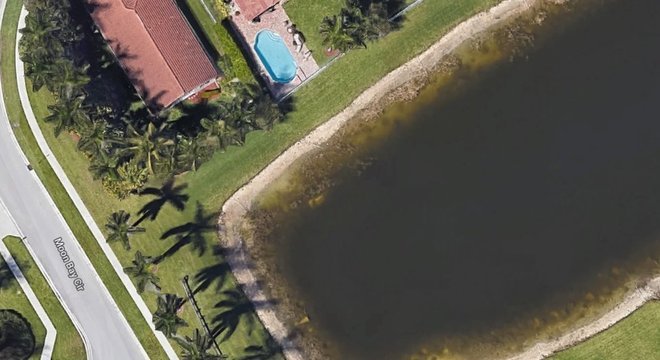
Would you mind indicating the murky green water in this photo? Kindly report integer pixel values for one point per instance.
(522, 202)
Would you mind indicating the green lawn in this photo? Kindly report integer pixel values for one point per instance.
(68, 344)
(307, 15)
(634, 338)
(13, 298)
(225, 172)
(57, 192)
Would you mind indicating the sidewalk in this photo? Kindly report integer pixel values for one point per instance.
(73, 194)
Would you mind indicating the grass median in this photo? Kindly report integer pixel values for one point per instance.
(13, 298)
(57, 191)
(217, 179)
(68, 344)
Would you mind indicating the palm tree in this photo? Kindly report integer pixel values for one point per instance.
(141, 273)
(220, 133)
(336, 35)
(39, 29)
(239, 115)
(67, 77)
(192, 152)
(267, 112)
(147, 146)
(197, 347)
(166, 194)
(263, 111)
(94, 139)
(168, 164)
(165, 318)
(67, 112)
(119, 229)
(250, 108)
(378, 21)
(39, 72)
(353, 19)
(104, 166)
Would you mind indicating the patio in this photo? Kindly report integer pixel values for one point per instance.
(249, 17)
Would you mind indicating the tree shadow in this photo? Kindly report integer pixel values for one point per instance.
(6, 276)
(392, 6)
(192, 232)
(216, 273)
(17, 340)
(267, 351)
(286, 106)
(234, 308)
(168, 193)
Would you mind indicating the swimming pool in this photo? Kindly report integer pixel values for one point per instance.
(275, 56)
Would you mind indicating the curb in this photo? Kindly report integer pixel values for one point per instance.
(51, 332)
(96, 231)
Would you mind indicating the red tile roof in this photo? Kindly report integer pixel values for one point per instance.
(253, 8)
(156, 46)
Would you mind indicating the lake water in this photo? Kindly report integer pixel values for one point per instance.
(518, 203)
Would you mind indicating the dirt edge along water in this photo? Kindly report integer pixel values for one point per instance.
(342, 155)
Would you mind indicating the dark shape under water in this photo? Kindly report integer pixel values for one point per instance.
(517, 192)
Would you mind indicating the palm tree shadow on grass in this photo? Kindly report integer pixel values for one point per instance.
(216, 273)
(192, 232)
(234, 308)
(168, 193)
(267, 351)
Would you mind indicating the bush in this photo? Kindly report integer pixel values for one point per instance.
(16, 336)
(233, 61)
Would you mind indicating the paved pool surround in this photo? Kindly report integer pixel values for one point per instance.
(276, 21)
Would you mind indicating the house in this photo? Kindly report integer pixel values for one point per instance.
(156, 47)
(252, 9)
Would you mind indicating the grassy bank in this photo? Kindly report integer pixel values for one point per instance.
(57, 192)
(220, 177)
(68, 344)
(13, 298)
(636, 337)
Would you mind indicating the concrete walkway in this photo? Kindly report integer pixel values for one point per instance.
(7, 228)
(73, 194)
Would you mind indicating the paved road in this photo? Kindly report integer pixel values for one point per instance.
(106, 332)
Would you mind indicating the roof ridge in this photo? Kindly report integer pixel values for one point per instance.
(160, 50)
(164, 57)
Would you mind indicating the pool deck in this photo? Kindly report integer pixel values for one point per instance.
(277, 21)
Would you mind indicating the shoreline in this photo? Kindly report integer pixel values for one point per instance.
(238, 205)
(633, 301)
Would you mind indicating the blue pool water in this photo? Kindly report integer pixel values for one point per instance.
(275, 56)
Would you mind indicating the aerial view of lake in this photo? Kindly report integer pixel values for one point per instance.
(524, 200)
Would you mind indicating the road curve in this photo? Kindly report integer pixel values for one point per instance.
(104, 329)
